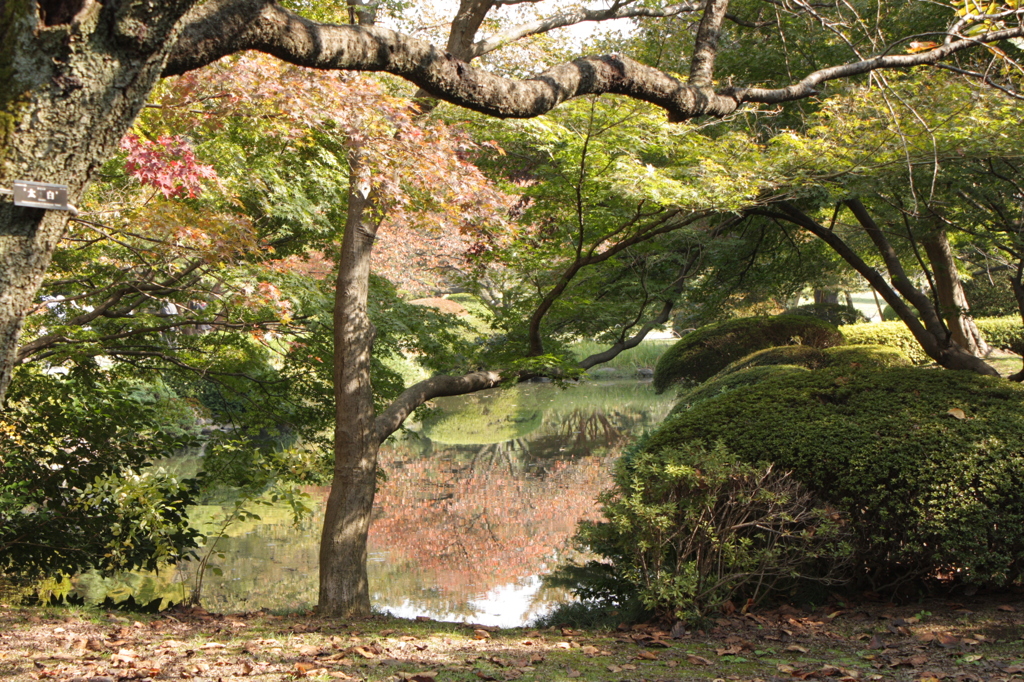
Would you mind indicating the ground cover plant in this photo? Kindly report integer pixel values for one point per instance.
(974, 639)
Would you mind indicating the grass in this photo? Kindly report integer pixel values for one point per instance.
(626, 363)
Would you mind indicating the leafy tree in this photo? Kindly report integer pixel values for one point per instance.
(80, 482)
(42, 80)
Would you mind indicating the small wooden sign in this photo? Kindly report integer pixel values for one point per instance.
(41, 195)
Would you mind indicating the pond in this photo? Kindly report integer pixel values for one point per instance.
(480, 500)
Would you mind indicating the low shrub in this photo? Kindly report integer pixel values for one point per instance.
(724, 382)
(929, 491)
(867, 356)
(783, 359)
(690, 527)
(1006, 333)
(835, 313)
(893, 334)
(703, 353)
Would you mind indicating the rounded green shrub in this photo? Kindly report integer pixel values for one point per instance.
(784, 359)
(724, 382)
(867, 356)
(893, 334)
(804, 356)
(703, 353)
(835, 313)
(1006, 333)
(928, 464)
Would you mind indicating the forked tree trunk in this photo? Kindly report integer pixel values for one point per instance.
(343, 581)
(950, 292)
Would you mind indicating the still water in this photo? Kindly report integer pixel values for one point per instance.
(481, 499)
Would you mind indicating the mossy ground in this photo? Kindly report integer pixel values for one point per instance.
(936, 639)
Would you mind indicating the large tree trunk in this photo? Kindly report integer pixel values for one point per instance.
(73, 77)
(343, 583)
(950, 292)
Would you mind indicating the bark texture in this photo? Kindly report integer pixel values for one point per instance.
(343, 584)
(73, 77)
(949, 291)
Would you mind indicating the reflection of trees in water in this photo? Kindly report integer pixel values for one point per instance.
(479, 524)
(453, 522)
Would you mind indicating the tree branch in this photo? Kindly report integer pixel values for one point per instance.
(388, 421)
(218, 28)
(702, 64)
(572, 18)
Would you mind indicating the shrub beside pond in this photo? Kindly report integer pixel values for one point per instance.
(702, 353)
(929, 491)
(691, 526)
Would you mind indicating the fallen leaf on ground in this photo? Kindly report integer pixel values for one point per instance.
(697, 660)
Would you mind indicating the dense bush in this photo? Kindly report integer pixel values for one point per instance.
(76, 489)
(703, 353)
(689, 527)
(991, 296)
(1006, 333)
(774, 361)
(834, 313)
(894, 334)
(928, 492)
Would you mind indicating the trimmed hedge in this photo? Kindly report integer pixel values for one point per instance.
(701, 354)
(836, 313)
(1006, 333)
(927, 492)
(894, 334)
(785, 359)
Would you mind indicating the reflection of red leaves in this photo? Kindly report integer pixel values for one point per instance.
(481, 526)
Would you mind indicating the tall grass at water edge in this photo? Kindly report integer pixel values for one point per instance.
(626, 363)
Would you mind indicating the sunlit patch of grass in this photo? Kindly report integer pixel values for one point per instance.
(626, 363)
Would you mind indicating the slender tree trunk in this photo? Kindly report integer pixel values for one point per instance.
(344, 591)
(950, 292)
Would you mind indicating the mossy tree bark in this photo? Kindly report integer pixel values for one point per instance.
(73, 77)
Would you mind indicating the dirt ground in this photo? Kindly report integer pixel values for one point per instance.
(977, 639)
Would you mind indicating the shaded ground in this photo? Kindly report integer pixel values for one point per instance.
(979, 639)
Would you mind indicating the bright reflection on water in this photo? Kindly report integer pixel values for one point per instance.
(480, 502)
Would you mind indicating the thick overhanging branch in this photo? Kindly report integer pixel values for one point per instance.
(388, 421)
(222, 27)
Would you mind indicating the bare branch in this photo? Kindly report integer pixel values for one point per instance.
(221, 27)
